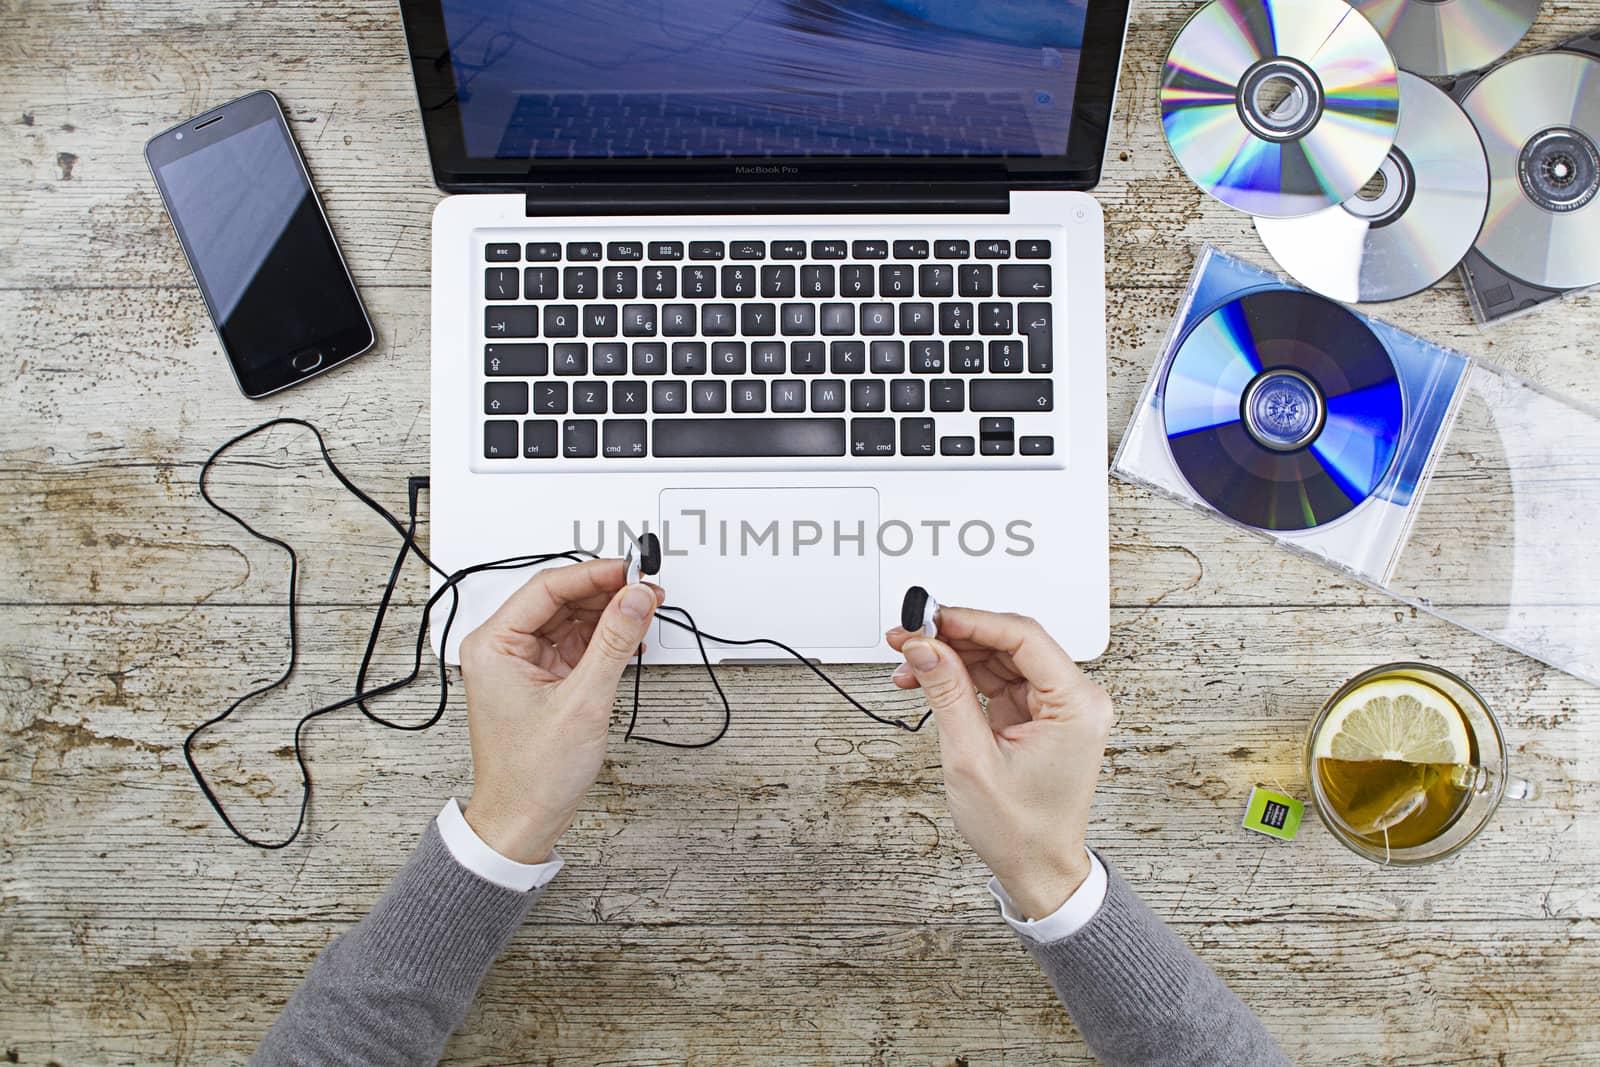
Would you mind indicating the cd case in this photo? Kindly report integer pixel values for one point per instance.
(1477, 518)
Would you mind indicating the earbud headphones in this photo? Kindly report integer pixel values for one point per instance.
(648, 562)
(919, 612)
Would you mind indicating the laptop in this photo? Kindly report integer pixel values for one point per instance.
(811, 289)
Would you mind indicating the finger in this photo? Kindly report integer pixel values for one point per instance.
(617, 637)
(1034, 653)
(553, 588)
(943, 677)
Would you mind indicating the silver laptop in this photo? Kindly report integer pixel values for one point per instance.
(810, 289)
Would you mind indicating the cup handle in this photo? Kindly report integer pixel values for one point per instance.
(1481, 779)
(1521, 788)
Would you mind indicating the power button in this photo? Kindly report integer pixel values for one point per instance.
(306, 362)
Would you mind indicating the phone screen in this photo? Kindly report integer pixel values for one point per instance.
(261, 250)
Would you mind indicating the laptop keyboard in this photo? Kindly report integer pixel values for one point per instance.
(812, 352)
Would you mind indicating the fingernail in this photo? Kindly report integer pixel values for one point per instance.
(921, 655)
(903, 673)
(638, 602)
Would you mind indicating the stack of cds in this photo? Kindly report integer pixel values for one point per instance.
(1369, 182)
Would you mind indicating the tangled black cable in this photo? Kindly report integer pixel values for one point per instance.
(408, 545)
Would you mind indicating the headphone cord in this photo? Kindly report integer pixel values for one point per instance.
(408, 545)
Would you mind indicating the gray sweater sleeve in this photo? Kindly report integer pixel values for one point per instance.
(392, 988)
(1142, 999)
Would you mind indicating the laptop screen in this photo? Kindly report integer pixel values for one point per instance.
(602, 79)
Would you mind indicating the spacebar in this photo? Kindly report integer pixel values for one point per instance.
(748, 437)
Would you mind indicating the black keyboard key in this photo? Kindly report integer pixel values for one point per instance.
(669, 398)
(767, 357)
(788, 397)
(629, 398)
(700, 282)
(1013, 394)
(966, 357)
(500, 283)
(927, 357)
(560, 320)
(816, 281)
(539, 283)
(798, 320)
(1005, 357)
(626, 251)
(955, 446)
(896, 279)
(638, 320)
(666, 249)
(583, 251)
(847, 357)
(688, 358)
(706, 250)
(727, 357)
(808, 357)
(758, 320)
(550, 398)
(738, 282)
(871, 437)
(539, 439)
(600, 320)
(1037, 446)
(869, 249)
(827, 249)
(868, 394)
(947, 394)
(571, 359)
(916, 319)
(777, 283)
(1034, 320)
(624, 439)
(611, 357)
(1033, 250)
(838, 319)
(660, 282)
(708, 397)
(994, 249)
(510, 322)
(951, 249)
(622, 283)
(515, 361)
(888, 357)
(995, 436)
(1031, 281)
(748, 250)
(877, 319)
(502, 253)
(911, 250)
(936, 279)
(788, 250)
(749, 398)
(994, 319)
(679, 320)
(580, 438)
(542, 252)
(827, 394)
(500, 439)
(916, 436)
(649, 357)
(589, 398)
(730, 438)
(719, 320)
(857, 280)
(906, 394)
(975, 279)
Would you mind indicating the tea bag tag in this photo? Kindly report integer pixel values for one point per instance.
(1273, 813)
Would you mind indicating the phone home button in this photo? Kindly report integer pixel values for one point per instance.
(306, 362)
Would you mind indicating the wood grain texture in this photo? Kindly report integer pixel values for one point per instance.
(796, 894)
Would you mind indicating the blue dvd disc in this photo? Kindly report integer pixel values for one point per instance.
(1282, 410)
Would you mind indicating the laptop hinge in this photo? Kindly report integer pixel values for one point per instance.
(769, 199)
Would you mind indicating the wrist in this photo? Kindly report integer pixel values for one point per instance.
(1039, 890)
(521, 838)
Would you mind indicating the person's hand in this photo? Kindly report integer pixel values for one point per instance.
(1019, 779)
(541, 675)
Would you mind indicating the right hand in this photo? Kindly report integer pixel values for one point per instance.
(1019, 780)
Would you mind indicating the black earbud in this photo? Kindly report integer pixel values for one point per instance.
(648, 561)
(919, 612)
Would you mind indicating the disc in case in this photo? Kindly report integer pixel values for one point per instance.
(1279, 107)
(1282, 410)
(1440, 37)
(1424, 210)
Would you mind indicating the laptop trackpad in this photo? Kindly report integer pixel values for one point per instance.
(800, 565)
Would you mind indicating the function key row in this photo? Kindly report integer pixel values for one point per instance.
(636, 251)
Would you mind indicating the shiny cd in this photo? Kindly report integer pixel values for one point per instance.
(1282, 410)
(1279, 107)
(1439, 37)
(1410, 225)
(1539, 117)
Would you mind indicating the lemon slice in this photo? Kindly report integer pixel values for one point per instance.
(1395, 719)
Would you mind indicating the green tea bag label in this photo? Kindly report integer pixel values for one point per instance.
(1273, 813)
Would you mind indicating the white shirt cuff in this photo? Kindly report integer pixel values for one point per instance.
(475, 855)
(1080, 907)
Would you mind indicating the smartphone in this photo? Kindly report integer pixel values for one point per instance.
(281, 299)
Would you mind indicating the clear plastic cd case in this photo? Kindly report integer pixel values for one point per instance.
(1437, 478)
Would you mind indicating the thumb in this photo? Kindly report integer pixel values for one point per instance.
(617, 636)
(943, 677)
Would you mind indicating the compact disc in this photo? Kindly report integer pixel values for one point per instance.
(1279, 107)
(1413, 221)
(1282, 409)
(1439, 37)
(1539, 117)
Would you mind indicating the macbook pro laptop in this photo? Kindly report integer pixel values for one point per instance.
(809, 288)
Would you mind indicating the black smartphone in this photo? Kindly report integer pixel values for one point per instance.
(260, 247)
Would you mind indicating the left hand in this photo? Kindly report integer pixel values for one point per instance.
(541, 675)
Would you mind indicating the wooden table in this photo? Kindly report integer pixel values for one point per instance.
(796, 894)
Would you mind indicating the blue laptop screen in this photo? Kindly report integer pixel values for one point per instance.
(603, 79)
